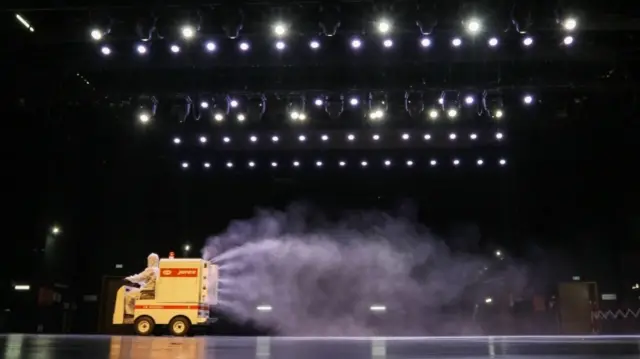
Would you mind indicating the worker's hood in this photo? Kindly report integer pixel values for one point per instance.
(153, 260)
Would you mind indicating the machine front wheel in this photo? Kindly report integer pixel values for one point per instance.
(144, 325)
(179, 326)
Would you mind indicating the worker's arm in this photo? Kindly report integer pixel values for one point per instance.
(142, 277)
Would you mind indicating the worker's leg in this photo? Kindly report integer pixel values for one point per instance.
(130, 301)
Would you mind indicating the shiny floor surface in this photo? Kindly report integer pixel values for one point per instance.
(97, 347)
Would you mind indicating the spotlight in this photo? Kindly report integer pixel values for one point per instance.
(364, 164)
(96, 34)
(252, 164)
(314, 44)
(499, 136)
(387, 43)
(384, 26)
(241, 117)
(527, 41)
(175, 49)
(528, 99)
(275, 139)
(405, 136)
(452, 136)
(324, 138)
(244, 46)
(375, 137)
(570, 24)
(387, 163)
(568, 40)
(433, 114)
(226, 139)
(177, 140)
(473, 26)
(204, 104)
(480, 162)
(427, 137)
(456, 162)
(274, 164)
(253, 139)
(409, 163)
(188, 32)
(452, 113)
(296, 164)
(185, 165)
(468, 100)
(144, 117)
(456, 42)
(302, 138)
(425, 42)
(502, 162)
(203, 139)
(318, 163)
(280, 45)
(342, 163)
(432, 163)
(210, 46)
(499, 114)
(141, 49)
(105, 50)
(229, 164)
(356, 43)
(473, 136)
(376, 115)
(218, 117)
(207, 165)
(318, 102)
(233, 103)
(493, 42)
(354, 101)
(351, 137)
(279, 29)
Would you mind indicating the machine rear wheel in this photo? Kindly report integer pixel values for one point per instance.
(179, 326)
(144, 325)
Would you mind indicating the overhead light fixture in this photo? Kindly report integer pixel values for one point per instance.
(24, 22)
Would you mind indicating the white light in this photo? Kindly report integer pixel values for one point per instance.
(528, 99)
(433, 163)
(570, 24)
(141, 49)
(342, 163)
(456, 162)
(499, 114)
(488, 300)
(279, 29)
(314, 44)
(177, 140)
(175, 49)
(387, 163)
(144, 118)
(493, 42)
(452, 113)
(210, 46)
(468, 100)
(296, 164)
(473, 26)
(207, 165)
(480, 162)
(425, 42)
(244, 46)
(405, 136)
(375, 137)
(185, 165)
(528, 41)
(356, 43)
(274, 164)
(378, 308)
(226, 139)
(409, 163)
(456, 42)
(203, 139)
(441, 101)
(353, 101)
(502, 162)
(253, 139)
(384, 26)
(280, 45)
(95, 33)
(363, 163)
(218, 117)
(275, 139)
(452, 136)
(252, 164)
(427, 137)
(302, 117)
(324, 137)
(229, 164)
(105, 50)
(433, 114)
(318, 102)
(351, 137)
(302, 138)
(499, 135)
(473, 136)
(233, 103)
(294, 115)
(387, 43)
(21, 287)
(318, 163)
(568, 40)
(264, 308)
(241, 117)
(204, 104)
(188, 32)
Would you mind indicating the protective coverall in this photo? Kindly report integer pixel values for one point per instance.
(147, 281)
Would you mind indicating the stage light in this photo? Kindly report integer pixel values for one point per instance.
(527, 41)
(296, 164)
(207, 165)
(274, 164)
(468, 100)
(141, 49)
(233, 103)
(204, 104)
(351, 137)
(203, 139)
(241, 117)
(568, 40)
(425, 42)
(405, 136)
(432, 163)
(229, 164)
(24, 22)
(177, 140)
(528, 99)
(433, 114)
(409, 163)
(473, 136)
(324, 138)
(105, 50)
(354, 101)
(244, 46)
(275, 139)
(499, 135)
(376, 115)
(175, 49)
(314, 44)
(570, 24)
(280, 45)
(253, 139)
(210, 46)
(456, 162)
(375, 137)
(364, 164)
(387, 163)
(226, 139)
(480, 162)
(279, 29)
(427, 137)
(252, 164)
(456, 42)
(318, 102)
(384, 26)
(185, 165)
(296, 107)
(218, 117)
(356, 43)
(502, 162)
(188, 32)
(387, 43)
(452, 113)
(96, 34)
(318, 163)
(144, 117)
(493, 42)
(302, 138)
(342, 163)
(473, 26)
(452, 136)
(499, 113)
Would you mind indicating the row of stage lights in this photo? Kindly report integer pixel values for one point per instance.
(387, 163)
(499, 136)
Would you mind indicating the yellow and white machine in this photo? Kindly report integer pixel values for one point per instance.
(184, 291)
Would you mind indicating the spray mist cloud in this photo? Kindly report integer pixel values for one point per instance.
(321, 277)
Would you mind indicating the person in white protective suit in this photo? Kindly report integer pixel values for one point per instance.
(147, 281)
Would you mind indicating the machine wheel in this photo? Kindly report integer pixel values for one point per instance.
(144, 325)
(179, 326)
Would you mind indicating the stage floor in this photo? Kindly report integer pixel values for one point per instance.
(18, 346)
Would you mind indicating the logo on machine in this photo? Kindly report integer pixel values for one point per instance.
(179, 272)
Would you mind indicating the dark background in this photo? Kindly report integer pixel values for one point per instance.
(74, 155)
